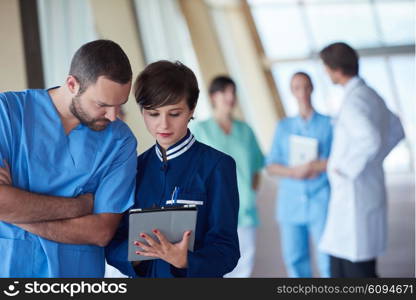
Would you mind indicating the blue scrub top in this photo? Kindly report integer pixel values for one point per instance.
(45, 160)
(202, 174)
(301, 201)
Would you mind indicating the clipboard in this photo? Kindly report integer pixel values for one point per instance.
(171, 221)
(302, 150)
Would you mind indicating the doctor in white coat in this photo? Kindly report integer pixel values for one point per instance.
(365, 132)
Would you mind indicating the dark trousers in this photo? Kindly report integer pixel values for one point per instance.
(342, 268)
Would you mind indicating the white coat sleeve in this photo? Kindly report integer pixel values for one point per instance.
(395, 134)
(364, 139)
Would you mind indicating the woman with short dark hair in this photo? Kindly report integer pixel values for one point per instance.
(167, 94)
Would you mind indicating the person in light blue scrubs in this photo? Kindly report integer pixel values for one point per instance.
(303, 191)
(68, 168)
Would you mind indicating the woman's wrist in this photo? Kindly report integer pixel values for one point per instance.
(182, 262)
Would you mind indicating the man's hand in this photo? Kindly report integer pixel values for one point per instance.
(97, 229)
(20, 206)
(87, 200)
(5, 176)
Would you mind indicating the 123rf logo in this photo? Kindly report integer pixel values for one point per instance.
(12, 290)
(70, 289)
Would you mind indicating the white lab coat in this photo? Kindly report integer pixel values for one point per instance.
(364, 133)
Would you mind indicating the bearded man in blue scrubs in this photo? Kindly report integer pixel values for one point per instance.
(67, 168)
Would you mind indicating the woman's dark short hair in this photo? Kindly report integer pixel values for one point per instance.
(340, 56)
(220, 83)
(306, 75)
(165, 83)
(100, 58)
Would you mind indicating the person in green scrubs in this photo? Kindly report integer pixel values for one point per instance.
(236, 139)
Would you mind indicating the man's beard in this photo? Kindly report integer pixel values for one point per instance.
(84, 118)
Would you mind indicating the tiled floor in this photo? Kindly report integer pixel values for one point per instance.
(399, 259)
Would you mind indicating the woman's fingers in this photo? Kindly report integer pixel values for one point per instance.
(143, 246)
(149, 254)
(161, 237)
(185, 238)
(149, 240)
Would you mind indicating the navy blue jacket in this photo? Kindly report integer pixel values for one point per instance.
(205, 175)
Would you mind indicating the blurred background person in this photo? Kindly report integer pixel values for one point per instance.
(365, 133)
(236, 139)
(303, 189)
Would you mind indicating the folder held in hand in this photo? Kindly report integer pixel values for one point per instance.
(172, 223)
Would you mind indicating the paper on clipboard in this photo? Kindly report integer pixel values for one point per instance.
(172, 222)
(302, 150)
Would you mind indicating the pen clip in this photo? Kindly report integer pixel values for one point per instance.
(175, 195)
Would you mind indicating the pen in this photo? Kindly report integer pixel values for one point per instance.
(175, 195)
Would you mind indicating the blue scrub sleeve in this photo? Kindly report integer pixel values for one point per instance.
(220, 251)
(115, 193)
(5, 132)
(276, 154)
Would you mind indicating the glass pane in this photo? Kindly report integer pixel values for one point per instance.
(64, 27)
(374, 71)
(263, 2)
(281, 30)
(403, 68)
(352, 23)
(399, 159)
(334, 1)
(397, 21)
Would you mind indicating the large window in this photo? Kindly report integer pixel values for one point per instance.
(164, 35)
(294, 31)
(64, 27)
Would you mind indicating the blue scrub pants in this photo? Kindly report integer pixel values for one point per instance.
(296, 250)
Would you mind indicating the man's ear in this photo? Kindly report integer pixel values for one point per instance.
(72, 84)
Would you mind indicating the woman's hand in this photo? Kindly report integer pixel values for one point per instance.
(5, 177)
(304, 171)
(175, 254)
(309, 170)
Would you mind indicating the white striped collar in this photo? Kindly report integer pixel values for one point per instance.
(178, 149)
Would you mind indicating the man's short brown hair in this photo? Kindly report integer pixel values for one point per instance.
(100, 58)
(340, 56)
